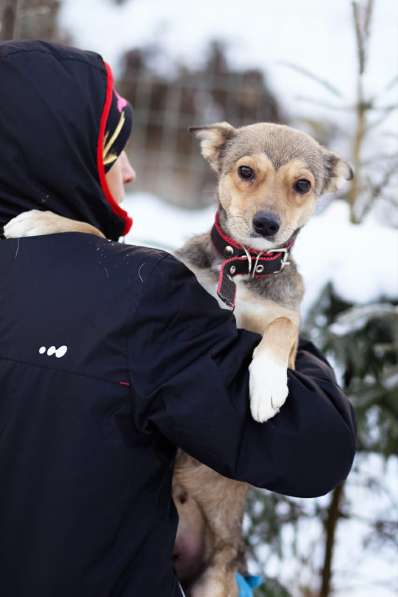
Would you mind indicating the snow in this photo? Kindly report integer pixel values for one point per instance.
(360, 570)
(368, 572)
(358, 317)
(163, 225)
(361, 262)
(316, 35)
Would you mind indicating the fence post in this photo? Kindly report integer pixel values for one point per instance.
(9, 19)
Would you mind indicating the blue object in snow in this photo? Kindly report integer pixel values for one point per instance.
(246, 584)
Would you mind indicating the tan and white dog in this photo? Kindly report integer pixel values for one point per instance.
(269, 179)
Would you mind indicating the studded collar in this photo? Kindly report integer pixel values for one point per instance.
(240, 260)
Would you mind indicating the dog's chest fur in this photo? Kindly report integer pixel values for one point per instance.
(255, 296)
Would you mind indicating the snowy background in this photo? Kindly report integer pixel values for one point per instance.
(360, 261)
(329, 249)
(265, 33)
(317, 36)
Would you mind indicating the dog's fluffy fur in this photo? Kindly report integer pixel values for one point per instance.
(209, 546)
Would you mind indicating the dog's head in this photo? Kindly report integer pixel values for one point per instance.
(270, 176)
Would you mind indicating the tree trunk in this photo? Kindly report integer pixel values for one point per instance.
(9, 19)
(331, 522)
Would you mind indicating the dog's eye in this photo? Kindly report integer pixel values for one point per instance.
(302, 186)
(246, 172)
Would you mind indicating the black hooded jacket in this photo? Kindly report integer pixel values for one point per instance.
(113, 355)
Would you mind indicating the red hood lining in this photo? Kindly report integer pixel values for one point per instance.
(128, 222)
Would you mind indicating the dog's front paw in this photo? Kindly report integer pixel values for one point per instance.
(268, 387)
(31, 223)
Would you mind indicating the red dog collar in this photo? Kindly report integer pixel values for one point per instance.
(240, 260)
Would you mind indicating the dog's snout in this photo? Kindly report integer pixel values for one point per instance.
(266, 223)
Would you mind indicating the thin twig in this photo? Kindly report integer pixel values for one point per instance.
(391, 84)
(307, 73)
(377, 190)
(322, 104)
(381, 119)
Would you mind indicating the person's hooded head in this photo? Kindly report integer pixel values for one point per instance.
(62, 128)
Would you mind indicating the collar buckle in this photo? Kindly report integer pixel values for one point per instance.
(285, 259)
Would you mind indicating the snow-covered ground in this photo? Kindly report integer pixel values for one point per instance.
(360, 261)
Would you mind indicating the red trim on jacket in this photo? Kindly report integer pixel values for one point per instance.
(128, 222)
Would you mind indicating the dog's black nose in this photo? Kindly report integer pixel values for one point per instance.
(266, 223)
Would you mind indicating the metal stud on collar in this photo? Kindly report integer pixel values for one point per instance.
(229, 250)
(232, 269)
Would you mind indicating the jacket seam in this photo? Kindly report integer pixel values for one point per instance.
(68, 371)
(133, 310)
(60, 58)
(139, 297)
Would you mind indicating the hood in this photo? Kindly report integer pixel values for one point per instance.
(54, 106)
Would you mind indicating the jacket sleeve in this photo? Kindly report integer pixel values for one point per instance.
(189, 370)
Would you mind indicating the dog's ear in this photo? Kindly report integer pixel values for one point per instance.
(212, 141)
(337, 171)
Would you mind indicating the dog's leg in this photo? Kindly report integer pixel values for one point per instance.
(276, 352)
(268, 370)
(38, 223)
(216, 581)
(293, 354)
(221, 502)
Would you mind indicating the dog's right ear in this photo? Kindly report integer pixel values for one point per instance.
(337, 171)
(213, 139)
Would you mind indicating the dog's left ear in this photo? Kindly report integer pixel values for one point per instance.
(337, 171)
(213, 139)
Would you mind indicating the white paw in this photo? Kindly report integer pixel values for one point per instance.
(30, 223)
(268, 387)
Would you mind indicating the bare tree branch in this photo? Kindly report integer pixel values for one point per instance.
(358, 36)
(307, 73)
(332, 519)
(382, 118)
(391, 84)
(322, 104)
(368, 18)
(362, 30)
(362, 35)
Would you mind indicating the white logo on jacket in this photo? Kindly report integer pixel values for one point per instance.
(52, 351)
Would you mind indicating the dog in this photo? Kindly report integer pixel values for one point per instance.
(269, 179)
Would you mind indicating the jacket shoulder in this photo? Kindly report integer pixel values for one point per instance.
(138, 259)
(136, 267)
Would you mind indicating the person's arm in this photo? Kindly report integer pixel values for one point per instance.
(189, 370)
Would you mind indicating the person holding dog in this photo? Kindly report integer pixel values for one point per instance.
(112, 357)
